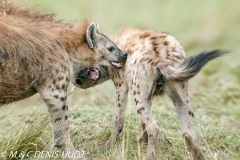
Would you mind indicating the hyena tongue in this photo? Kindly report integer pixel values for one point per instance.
(93, 75)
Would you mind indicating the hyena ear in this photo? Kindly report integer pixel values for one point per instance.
(97, 27)
(92, 35)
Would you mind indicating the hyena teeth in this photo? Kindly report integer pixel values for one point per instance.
(117, 64)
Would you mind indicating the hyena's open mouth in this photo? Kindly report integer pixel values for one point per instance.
(93, 74)
(116, 64)
(88, 74)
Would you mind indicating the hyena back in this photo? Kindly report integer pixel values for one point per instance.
(41, 54)
(156, 64)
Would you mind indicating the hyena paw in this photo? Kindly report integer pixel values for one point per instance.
(107, 144)
(151, 155)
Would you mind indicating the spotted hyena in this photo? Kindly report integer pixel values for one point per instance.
(41, 54)
(156, 64)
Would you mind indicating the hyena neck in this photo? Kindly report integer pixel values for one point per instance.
(73, 37)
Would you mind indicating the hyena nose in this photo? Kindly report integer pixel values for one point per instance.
(124, 54)
(81, 75)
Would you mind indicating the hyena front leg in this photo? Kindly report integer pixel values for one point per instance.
(121, 91)
(54, 94)
(178, 92)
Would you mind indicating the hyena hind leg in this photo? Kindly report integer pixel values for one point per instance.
(177, 91)
(143, 97)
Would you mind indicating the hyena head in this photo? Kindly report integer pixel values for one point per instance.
(107, 53)
(92, 76)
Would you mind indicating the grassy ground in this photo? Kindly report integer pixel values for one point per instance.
(214, 93)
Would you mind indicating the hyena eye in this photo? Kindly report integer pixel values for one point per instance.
(110, 49)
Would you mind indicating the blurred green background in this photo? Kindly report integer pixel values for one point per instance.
(197, 24)
(214, 92)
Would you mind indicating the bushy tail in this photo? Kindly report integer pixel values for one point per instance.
(194, 64)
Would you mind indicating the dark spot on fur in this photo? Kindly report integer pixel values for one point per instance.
(187, 101)
(138, 86)
(145, 35)
(51, 105)
(174, 49)
(57, 87)
(178, 57)
(57, 119)
(57, 71)
(165, 43)
(191, 113)
(155, 49)
(5, 54)
(67, 49)
(134, 93)
(60, 78)
(155, 44)
(66, 117)
(153, 38)
(183, 86)
(136, 101)
(138, 92)
(62, 99)
(56, 96)
(63, 86)
(141, 60)
(64, 107)
(56, 110)
(119, 105)
(150, 60)
(49, 86)
(139, 111)
(54, 81)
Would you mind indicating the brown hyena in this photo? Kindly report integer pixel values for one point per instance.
(156, 64)
(40, 54)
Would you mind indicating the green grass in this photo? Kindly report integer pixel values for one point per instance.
(214, 93)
